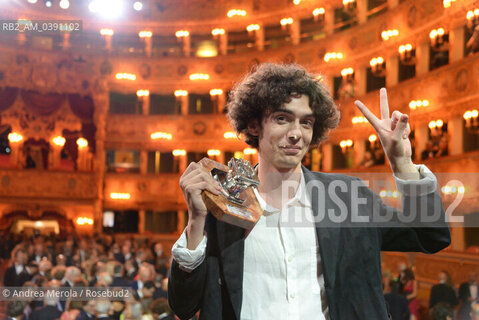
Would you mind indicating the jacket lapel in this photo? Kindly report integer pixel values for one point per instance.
(328, 234)
(231, 245)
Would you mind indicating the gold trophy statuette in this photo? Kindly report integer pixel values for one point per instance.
(237, 203)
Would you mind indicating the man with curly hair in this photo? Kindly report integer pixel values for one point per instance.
(292, 265)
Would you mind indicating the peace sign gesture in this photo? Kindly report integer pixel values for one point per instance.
(393, 132)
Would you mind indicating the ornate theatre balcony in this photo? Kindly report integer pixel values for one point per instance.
(451, 90)
(189, 132)
(159, 192)
(47, 185)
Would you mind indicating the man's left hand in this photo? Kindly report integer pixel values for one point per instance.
(393, 132)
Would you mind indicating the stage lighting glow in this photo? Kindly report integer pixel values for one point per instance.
(32, 1)
(199, 76)
(216, 92)
(206, 49)
(106, 32)
(145, 34)
(229, 135)
(59, 141)
(252, 27)
(161, 135)
(107, 8)
(14, 137)
(48, 4)
(93, 7)
(236, 12)
(218, 31)
(179, 152)
(138, 6)
(64, 4)
(213, 152)
(84, 221)
(82, 143)
(120, 195)
(181, 93)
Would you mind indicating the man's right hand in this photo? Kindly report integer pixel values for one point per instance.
(194, 180)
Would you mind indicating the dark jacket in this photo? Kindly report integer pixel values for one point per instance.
(350, 254)
(397, 306)
(46, 313)
(84, 316)
(12, 279)
(464, 295)
(442, 293)
(120, 282)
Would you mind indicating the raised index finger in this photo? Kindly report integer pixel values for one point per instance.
(383, 103)
(368, 114)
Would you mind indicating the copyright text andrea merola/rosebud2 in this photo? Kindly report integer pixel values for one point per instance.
(63, 293)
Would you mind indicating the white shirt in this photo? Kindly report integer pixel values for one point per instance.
(19, 268)
(282, 276)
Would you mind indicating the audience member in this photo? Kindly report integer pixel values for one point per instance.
(442, 311)
(50, 310)
(429, 152)
(15, 310)
(44, 268)
(468, 295)
(88, 311)
(102, 308)
(397, 303)
(409, 287)
(473, 43)
(443, 292)
(118, 276)
(442, 149)
(368, 160)
(379, 156)
(133, 311)
(17, 275)
(117, 308)
(161, 311)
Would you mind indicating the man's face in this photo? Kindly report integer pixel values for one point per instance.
(473, 277)
(21, 258)
(90, 307)
(286, 134)
(144, 274)
(442, 277)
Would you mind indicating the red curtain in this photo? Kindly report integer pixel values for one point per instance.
(7, 97)
(42, 104)
(82, 107)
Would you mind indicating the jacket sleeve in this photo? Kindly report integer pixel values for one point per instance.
(185, 290)
(427, 237)
(187, 277)
(421, 226)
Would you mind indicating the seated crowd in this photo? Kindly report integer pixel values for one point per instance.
(446, 301)
(78, 262)
(104, 262)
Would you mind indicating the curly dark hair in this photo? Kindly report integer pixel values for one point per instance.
(269, 87)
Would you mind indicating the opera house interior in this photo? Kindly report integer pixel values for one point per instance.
(105, 103)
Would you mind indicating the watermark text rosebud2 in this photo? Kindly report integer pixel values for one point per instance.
(378, 200)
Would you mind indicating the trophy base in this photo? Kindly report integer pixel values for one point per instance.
(243, 215)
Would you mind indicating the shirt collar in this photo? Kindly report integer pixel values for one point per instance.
(300, 198)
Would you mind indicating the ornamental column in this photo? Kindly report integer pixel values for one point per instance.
(101, 100)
